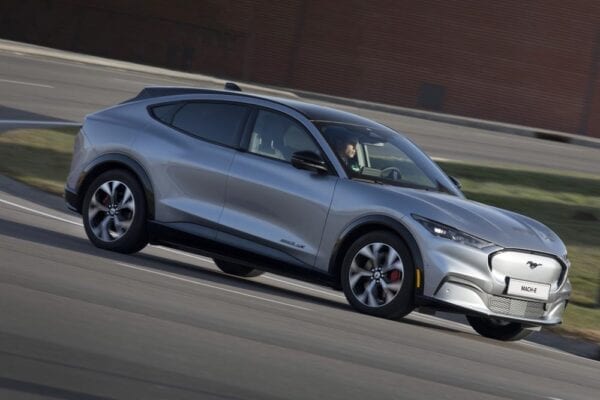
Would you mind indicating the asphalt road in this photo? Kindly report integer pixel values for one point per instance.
(37, 88)
(80, 323)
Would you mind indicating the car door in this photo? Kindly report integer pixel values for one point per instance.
(195, 145)
(279, 208)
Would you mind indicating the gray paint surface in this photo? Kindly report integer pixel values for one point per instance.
(271, 199)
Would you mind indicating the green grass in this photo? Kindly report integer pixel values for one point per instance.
(567, 203)
(38, 157)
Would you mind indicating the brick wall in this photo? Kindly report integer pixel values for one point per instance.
(533, 63)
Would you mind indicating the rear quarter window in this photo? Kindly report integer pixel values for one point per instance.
(165, 113)
(216, 122)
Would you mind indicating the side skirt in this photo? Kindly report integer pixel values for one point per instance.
(203, 240)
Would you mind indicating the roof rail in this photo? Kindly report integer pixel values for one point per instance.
(159, 91)
(162, 91)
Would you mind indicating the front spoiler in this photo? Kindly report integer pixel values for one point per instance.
(467, 300)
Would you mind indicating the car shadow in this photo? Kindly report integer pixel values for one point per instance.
(154, 262)
(166, 264)
(180, 268)
(431, 325)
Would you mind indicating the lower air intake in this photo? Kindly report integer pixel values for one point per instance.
(516, 308)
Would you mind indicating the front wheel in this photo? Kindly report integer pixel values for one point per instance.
(498, 329)
(377, 275)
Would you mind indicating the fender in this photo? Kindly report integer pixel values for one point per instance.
(115, 160)
(355, 229)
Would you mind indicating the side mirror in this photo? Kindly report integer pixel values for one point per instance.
(455, 181)
(309, 161)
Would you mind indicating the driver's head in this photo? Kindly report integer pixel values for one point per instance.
(347, 147)
(350, 149)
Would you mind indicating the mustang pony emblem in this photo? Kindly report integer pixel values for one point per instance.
(533, 265)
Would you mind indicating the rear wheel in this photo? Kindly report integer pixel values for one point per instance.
(237, 269)
(498, 329)
(378, 275)
(114, 212)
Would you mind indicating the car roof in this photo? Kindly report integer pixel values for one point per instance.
(311, 111)
(317, 112)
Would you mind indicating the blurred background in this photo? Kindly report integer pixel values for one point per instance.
(531, 63)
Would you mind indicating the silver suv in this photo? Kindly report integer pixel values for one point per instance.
(268, 184)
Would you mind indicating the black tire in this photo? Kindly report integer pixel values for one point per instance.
(237, 269)
(135, 237)
(403, 302)
(508, 331)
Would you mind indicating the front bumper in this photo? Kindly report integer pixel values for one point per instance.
(467, 280)
(472, 300)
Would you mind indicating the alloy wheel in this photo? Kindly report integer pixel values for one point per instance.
(376, 274)
(111, 210)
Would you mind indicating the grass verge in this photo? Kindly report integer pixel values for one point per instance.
(38, 157)
(567, 203)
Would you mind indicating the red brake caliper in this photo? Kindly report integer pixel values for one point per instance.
(394, 275)
(106, 201)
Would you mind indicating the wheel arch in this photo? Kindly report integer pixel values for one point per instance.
(368, 224)
(110, 161)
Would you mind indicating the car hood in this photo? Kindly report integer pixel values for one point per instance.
(504, 228)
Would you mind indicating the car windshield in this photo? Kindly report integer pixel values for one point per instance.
(379, 154)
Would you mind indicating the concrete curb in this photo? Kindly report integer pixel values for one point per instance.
(548, 338)
(567, 343)
(24, 48)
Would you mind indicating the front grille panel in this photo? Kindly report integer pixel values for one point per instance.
(515, 307)
(527, 266)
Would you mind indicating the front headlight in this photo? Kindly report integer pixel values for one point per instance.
(447, 232)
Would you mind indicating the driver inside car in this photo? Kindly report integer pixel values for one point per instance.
(346, 151)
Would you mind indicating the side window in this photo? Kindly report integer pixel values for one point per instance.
(216, 122)
(277, 136)
(167, 112)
